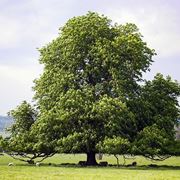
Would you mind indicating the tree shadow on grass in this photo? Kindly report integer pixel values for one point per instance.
(151, 167)
(110, 166)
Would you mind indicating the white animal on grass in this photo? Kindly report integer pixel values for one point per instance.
(11, 164)
(38, 164)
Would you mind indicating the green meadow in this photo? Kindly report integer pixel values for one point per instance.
(53, 168)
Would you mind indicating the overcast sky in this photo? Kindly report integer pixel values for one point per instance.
(26, 25)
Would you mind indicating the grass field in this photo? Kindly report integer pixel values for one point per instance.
(168, 169)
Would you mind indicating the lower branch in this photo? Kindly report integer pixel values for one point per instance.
(49, 155)
(29, 159)
(157, 157)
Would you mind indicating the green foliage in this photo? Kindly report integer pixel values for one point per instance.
(91, 53)
(73, 143)
(174, 148)
(24, 116)
(162, 96)
(157, 103)
(22, 143)
(152, 142)
(115, 146)
(20, 139)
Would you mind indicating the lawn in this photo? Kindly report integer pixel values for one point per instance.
(55, 171)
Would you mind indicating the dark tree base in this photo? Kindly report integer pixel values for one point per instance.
(91, 159)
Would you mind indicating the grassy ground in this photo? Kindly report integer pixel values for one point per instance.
(22, 171)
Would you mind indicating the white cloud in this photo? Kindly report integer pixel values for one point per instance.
(159, 26)
(20, 75)
(9, 32)
(16, 86)
(32, 21)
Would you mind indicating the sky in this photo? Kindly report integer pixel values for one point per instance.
(26, 25)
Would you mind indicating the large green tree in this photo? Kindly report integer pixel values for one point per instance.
(90, 72)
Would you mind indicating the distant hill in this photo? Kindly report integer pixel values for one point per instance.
(5, 122)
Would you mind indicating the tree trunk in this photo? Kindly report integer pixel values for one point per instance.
(91, 159)
(124, 159)
(30, 161)
(117, 159)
